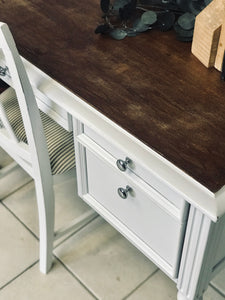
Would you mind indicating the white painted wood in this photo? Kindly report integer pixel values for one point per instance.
(146, 218)
(82, 182)
(182, 297)
(139, 211)
(135, 167)
(8, 144)
(40, 84)
(201, 241)
(37, 146)
(203, 254)
(133, 238)
(43, 85)
(33, 157)
(161, 201)
(209, 203)
(201, 237)
(212, 204)
(174, 178)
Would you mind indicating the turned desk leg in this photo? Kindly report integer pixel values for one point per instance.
(182, 297)
(197, 257)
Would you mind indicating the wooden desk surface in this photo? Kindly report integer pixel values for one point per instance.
(151, 85)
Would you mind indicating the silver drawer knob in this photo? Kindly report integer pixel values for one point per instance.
(122, 164)
(123, 193)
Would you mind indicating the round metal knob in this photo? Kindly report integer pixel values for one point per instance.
(123, 193)
(122, 164)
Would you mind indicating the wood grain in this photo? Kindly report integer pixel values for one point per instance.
(207, 31)
(221, 48)
(151, 85)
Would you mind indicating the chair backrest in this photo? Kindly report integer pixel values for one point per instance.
(36, 152)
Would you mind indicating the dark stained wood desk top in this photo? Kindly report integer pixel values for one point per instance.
(150, 85)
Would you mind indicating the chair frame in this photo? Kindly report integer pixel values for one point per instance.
(33, 157)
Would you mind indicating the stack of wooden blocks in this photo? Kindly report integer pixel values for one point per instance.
(209, 35)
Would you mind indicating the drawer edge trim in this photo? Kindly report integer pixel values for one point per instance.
(162, 202)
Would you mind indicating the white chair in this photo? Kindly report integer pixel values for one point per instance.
(37, 143)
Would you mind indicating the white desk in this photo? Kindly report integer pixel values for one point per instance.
(172, 217)
(167, 215)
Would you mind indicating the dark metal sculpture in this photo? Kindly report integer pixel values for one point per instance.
(131, 17)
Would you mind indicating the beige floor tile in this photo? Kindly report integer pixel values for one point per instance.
(67, 206)
(104, 260)
(13, 181)
(18, 250)
(56, 285)
(157, 287)
(219, 281)
(5, 159)
(23, 205)
(211, 294)
(161, 287)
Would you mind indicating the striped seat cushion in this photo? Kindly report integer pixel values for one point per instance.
(59, 141)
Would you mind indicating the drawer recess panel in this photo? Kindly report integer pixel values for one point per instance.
(151, 221)
(134, 167)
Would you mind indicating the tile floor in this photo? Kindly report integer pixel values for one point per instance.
(94, 263)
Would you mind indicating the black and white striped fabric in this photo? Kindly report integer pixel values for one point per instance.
(59, 141)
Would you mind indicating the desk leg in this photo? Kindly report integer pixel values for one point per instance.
(197, 257)
(182, 297)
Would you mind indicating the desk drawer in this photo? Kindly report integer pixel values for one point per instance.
(136, 168)
(148, 219)
(141, 212)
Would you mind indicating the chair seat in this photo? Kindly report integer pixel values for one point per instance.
(59, 141)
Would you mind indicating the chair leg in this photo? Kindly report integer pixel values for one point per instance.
(46, 212)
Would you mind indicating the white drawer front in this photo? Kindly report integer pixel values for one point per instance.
(137, 169)
(140, 212)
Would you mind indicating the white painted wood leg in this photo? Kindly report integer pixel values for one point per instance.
(203, 255)
(46, 214)
(197, 257)
(180, 296)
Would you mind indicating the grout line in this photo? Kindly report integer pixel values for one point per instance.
(140, 284)
(63, 240)
(66, 238)
(217, 290)
(75, 277)
(21, 222)
(16, 190)
(11, 280)
(74, 232)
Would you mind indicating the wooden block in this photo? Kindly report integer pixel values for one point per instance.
(207, 31)
(221, 48)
